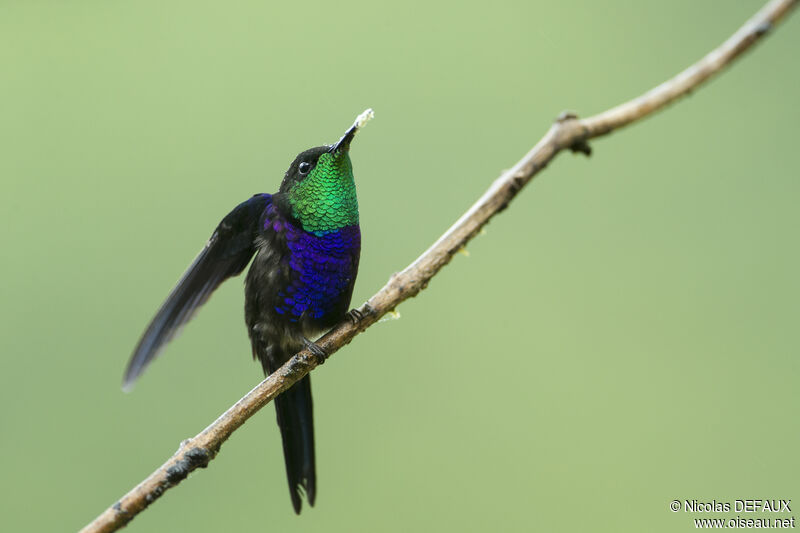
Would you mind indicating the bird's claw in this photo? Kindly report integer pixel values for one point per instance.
(316, 350)
(355, 316)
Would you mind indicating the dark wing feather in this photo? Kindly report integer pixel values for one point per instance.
(225, 255)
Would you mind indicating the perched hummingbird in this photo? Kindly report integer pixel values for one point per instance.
(306, 241)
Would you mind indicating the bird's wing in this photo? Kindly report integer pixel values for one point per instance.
(225, 255)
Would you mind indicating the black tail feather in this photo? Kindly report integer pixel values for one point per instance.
(296, 421)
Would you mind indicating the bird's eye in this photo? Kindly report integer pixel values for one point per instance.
(304, 168)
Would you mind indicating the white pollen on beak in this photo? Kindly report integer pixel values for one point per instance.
(363, 118)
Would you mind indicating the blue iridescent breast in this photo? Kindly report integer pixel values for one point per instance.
(322, 267)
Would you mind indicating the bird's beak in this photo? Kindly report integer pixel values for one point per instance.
(344, 143)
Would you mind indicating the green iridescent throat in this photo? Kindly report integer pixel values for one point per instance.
(326, 200)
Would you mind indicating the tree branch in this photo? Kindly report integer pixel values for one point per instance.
(568, 132)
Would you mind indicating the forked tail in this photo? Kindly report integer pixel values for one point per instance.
(296, 421)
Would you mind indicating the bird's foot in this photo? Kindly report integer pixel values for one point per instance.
(316, 350)
(355, 316)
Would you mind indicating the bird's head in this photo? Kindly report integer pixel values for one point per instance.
(319, 186)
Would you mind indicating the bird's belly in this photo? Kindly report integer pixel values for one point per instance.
(322, 271)
(301, 284)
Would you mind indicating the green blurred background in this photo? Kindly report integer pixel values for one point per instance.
(626, 334)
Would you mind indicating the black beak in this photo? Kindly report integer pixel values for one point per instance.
(344, 143)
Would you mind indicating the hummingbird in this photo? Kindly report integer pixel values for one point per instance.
(306, 241)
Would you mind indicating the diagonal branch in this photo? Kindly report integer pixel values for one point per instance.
(568, 132)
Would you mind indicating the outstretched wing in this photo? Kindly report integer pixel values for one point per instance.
(226, 254)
